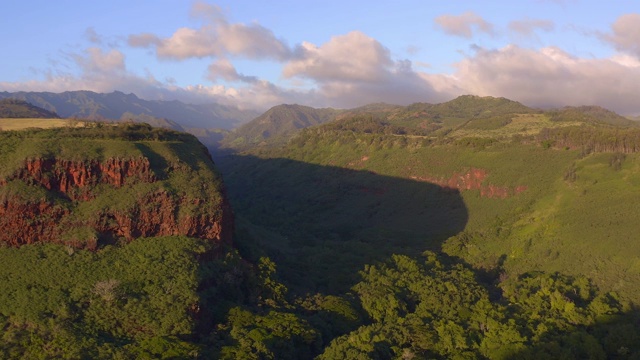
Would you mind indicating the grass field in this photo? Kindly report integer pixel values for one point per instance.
(523, 124)
(20, 124)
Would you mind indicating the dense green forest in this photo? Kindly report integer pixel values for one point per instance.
(517, 209)
(474, 229)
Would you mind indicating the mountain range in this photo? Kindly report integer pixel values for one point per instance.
(120, 106)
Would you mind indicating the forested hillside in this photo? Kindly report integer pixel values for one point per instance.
(276, 125)
(477, 228)
(107, 233)
(473, 229)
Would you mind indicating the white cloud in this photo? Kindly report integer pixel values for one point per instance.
(216, 38)
(223, 68)
(98, 61)
(256, 95)
(551, 77)
(355, 69)
(626, 34)
(99, 70)
(354, 57)
(464, 25)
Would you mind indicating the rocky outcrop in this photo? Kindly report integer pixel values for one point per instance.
(26, 223)
(64, 175)
(473, 179)
(71, 185)
(158, 214)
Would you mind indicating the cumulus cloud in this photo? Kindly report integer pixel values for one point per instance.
(527, 27)
(216, 38)
(223, 68)
(464, 25)
(626, 34)
(353, 56)
(550, 77)
(105, 71)
(355, 69)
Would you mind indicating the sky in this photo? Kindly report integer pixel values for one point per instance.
(341, 54)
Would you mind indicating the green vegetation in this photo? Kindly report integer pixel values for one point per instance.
(180, 177)
(590, 114)
(97, 141)
(151, 120)
(276, 125)
(538, 259)
(115, 303)
(473, 229)
(573, 198)
(432, 308)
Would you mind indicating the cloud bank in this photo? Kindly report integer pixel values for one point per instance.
(550, 77)
(353, 69)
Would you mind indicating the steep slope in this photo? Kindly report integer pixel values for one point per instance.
(88, 186)
(14, 108)
(540, 193)
(277, 124)
(96, 106)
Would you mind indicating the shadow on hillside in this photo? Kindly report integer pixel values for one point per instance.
(615, 337)
(322, 224)
(157, 162)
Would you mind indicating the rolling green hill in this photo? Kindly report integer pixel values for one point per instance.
(591, 114)
(542, 191)
(279, 124)
(276, 125)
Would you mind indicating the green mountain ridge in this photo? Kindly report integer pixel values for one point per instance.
(279, 122)
(469, 115)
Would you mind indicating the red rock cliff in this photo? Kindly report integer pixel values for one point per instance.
(64, 175)
(473, 179)
(158, 213)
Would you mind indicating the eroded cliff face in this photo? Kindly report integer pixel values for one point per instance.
(72, 185)
(473, 179)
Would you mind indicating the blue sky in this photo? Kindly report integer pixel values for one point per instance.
(328, 53)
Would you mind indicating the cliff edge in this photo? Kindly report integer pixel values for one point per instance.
(102, 184)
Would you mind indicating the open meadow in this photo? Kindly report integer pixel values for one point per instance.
(20, 124)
